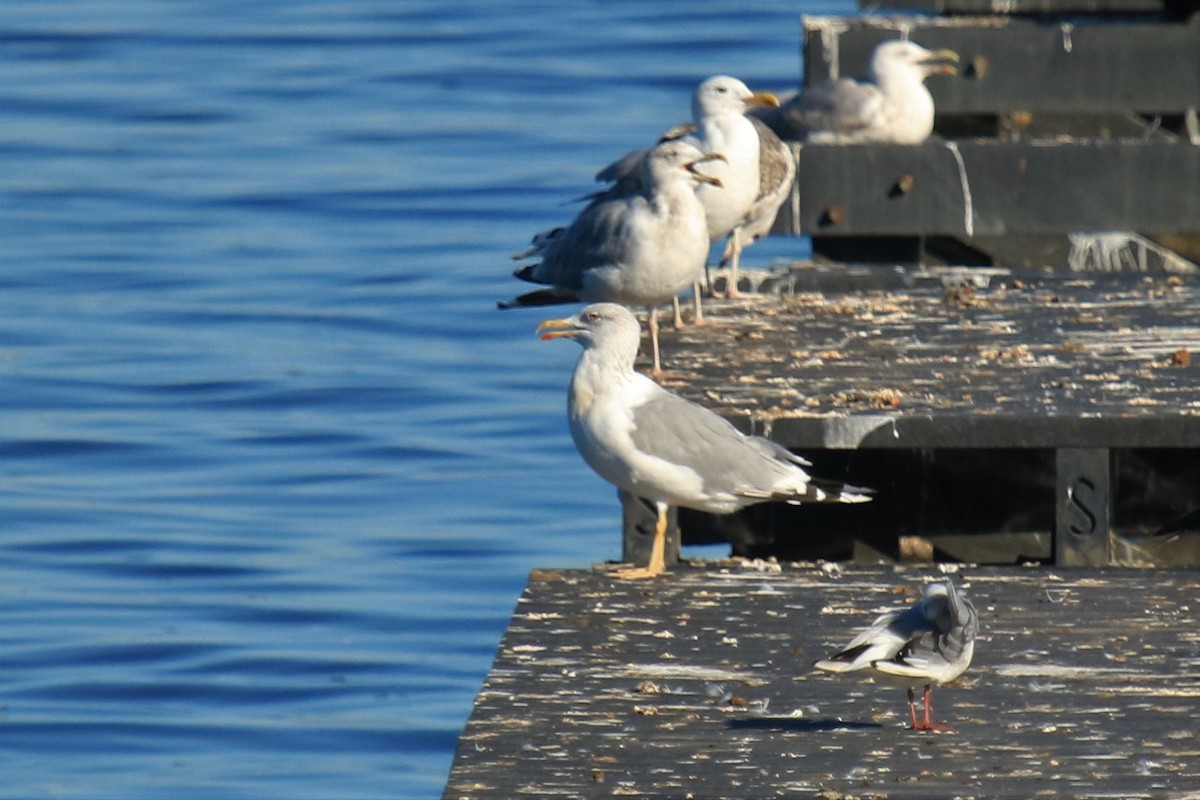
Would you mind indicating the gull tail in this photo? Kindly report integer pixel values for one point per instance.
(542, 297)
(539, 243)
(830, 665)
(821, 490)
(901, 669)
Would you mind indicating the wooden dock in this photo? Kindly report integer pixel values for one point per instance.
(1033, 413)
(1001, 417)
(1085, 683)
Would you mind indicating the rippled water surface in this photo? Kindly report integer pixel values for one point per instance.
(273, 469)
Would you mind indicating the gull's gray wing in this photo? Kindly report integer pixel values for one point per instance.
(599, 236)
(625, 174)
(843, 107)
(945, 638)
(684, 433)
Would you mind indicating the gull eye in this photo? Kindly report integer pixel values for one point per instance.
(593, 316)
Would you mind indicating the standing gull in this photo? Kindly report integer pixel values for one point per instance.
(777, 172)
(894, 106)
(660, 447)
(755, 177)
(639, 248)
(929, 642)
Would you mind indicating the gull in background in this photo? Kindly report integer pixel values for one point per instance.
(638, 248)
(756, 175)
(894, 106)
(930, 642)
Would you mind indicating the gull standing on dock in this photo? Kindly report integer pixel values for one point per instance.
(894, 106)
(755, 177)
(931, 641)
(777, 173)
(640, 248)
(660, 447)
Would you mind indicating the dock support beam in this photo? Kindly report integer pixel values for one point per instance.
(638, 519)
(1083, 520)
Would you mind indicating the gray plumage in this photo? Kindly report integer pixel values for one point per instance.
(777, 174)
(664, 448)
(658, 446)
(755, 178)
(893, 105)
(640, 248)
(931, 642)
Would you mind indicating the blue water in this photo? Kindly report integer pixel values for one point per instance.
(273, 469)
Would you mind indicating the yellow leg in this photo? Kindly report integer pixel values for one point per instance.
(697, 306)
(657, 371)
(658, 551)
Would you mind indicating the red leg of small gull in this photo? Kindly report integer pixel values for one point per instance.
(928, 724)
(912, 708)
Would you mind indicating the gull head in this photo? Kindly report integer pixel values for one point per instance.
(677, 154)
(722, 94)
(894, 57)
(596, 325)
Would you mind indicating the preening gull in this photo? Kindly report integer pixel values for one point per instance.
(755, 177)
(639, 248)
(929, 642)
(658, 446)
(894, 106)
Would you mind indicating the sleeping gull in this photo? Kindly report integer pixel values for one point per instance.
(658, 446)
(755, 177)
(640, 248)
(893, 107)
(929, 642)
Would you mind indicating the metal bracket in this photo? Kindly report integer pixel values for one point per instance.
(1083, 519)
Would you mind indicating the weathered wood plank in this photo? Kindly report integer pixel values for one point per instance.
(1017, 64)
(1084, 684)
(949, 393)
(982, 188)
(950, 358)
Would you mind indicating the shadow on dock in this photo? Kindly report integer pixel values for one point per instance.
(800, 725)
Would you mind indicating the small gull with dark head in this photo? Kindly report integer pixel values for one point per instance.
(931, 641)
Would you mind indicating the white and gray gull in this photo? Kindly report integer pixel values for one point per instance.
(931, 641)
(894, 106)
(663, 448)
(640, 248)
(755, 177)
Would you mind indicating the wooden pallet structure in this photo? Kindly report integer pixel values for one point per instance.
(1065, 171)
(997, 334)
(1057, 129)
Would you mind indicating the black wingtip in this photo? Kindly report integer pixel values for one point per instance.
(541, 297)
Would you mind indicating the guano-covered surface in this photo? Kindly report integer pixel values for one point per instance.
(699, 684)
(882, 357)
